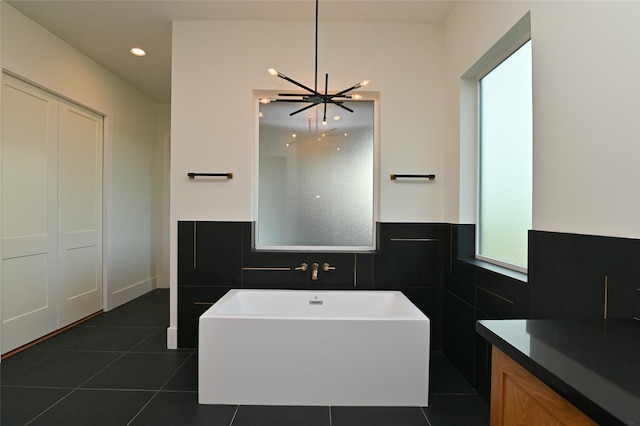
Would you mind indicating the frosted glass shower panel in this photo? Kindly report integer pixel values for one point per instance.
(316, 180)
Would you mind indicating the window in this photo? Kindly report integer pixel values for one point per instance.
(315, 181)
(505, 161)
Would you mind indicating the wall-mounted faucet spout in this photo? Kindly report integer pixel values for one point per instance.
(314, 271)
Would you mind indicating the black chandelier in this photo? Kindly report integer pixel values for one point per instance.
(313, 97)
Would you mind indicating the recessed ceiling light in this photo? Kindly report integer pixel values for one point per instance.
(136, 51)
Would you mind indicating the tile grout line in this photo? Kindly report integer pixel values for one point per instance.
(79, 387)
(161, 386)
(73, 390)
(50, 407)
(131, 350)
(52, 353)
(425, 416)
(143, 407)
(234, 415)
(39, 387)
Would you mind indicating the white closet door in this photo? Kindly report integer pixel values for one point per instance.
(79, 213)
(29, 213)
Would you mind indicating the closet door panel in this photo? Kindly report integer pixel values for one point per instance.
(20, 273)
(79, 213)
(29, 212)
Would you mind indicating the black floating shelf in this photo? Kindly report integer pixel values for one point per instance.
(194, 175)
(398, 176)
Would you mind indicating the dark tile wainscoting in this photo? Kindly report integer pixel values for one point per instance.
(566, 279)
(214, 257)
(434, 265)
(571, 274)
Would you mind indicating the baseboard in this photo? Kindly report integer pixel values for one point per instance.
(172, 338)
(126, 294)
(160, 281)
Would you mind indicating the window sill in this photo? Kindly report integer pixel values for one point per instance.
(516, 275)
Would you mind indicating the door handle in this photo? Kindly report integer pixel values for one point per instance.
(303, 267)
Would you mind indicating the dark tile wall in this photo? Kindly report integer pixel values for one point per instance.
(214, 257)
(569, 273)
(475, 290)
(566, 279)
(414, 258)
(209, 265)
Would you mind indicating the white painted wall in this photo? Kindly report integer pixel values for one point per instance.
(586, 90)
(1, 351)
(586, 86)
(161, 196)
(216, 67)
(132, 125)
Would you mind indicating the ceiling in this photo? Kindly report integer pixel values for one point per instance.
(105, 30)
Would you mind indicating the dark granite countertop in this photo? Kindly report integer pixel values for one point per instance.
(593, 364)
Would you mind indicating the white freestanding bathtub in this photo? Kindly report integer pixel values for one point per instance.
(293, 347)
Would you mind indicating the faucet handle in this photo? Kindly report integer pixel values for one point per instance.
(326, 267)
(303, 267)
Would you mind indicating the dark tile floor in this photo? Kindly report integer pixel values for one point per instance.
(115, 370)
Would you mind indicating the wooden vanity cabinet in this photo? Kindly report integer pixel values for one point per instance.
(519, 398)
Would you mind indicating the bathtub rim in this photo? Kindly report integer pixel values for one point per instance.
(413, 312)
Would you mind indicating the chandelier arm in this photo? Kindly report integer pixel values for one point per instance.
(290, 80)
(355, 86)
(340, 105)
(289, 100)
(302, 109)
(326, 97)
(326, 85)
